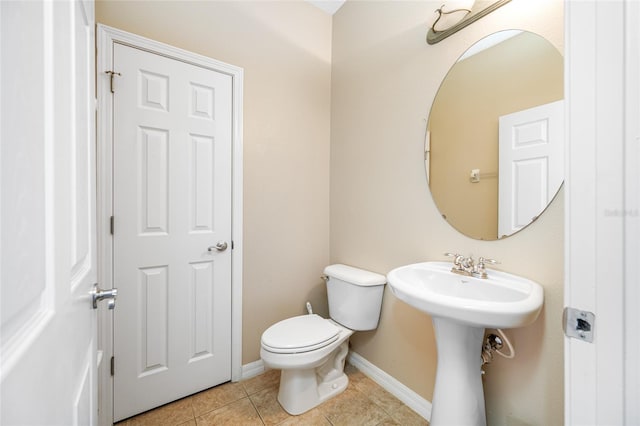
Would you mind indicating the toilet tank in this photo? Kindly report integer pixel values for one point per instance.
(355, 296)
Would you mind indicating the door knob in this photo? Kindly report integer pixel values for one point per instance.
(220, 246)
(97, 294)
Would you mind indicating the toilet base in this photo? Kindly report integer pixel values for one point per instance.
(301, 393)
(303, 389)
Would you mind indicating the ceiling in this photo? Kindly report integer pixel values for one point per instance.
(329, 6)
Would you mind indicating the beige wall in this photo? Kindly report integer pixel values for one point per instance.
(285, 50)
(522, 72)
(376, 87)
(384, 79)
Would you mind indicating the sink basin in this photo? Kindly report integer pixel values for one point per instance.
(500, 301)
(461, 308)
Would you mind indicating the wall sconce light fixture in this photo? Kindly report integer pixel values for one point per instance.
(454, 15)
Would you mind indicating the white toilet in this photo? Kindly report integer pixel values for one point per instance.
(311, 350)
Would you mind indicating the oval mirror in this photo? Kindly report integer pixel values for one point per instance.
(494, 146)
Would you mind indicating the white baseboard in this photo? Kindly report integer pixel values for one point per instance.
(252, 369)
(392, 385)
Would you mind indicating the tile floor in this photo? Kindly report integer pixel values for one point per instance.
(253, 402)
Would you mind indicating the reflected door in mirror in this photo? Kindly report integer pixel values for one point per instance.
(531, 157)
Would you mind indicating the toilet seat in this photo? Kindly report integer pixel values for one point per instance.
(303, 333)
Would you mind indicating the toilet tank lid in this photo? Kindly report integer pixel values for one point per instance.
(355, 276)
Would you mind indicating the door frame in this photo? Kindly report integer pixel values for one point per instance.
(106, 37)
(601, 209)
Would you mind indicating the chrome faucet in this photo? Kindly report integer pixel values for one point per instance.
(468, 266)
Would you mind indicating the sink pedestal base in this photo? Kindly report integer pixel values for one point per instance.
(458, 397)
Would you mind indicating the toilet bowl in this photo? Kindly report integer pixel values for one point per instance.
(310, 350)
(302, 387)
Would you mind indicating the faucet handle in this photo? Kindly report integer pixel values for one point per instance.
(458, 261)
(483, 260)
(480, 271)
(457, 258)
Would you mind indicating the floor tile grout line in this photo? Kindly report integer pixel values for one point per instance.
(193, 410)
(380, 401)
(390, 413)
(257, 411)
(218, 407)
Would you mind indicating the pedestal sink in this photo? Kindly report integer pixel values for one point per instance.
(461, 307)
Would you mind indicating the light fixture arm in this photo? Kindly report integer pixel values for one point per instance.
(434, 36)
(442, 12)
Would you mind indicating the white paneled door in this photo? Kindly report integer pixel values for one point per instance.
(48, 351)
(172, 229)
(531, 164)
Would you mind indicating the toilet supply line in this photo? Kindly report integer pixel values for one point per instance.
(493, 344)
(512, 352)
